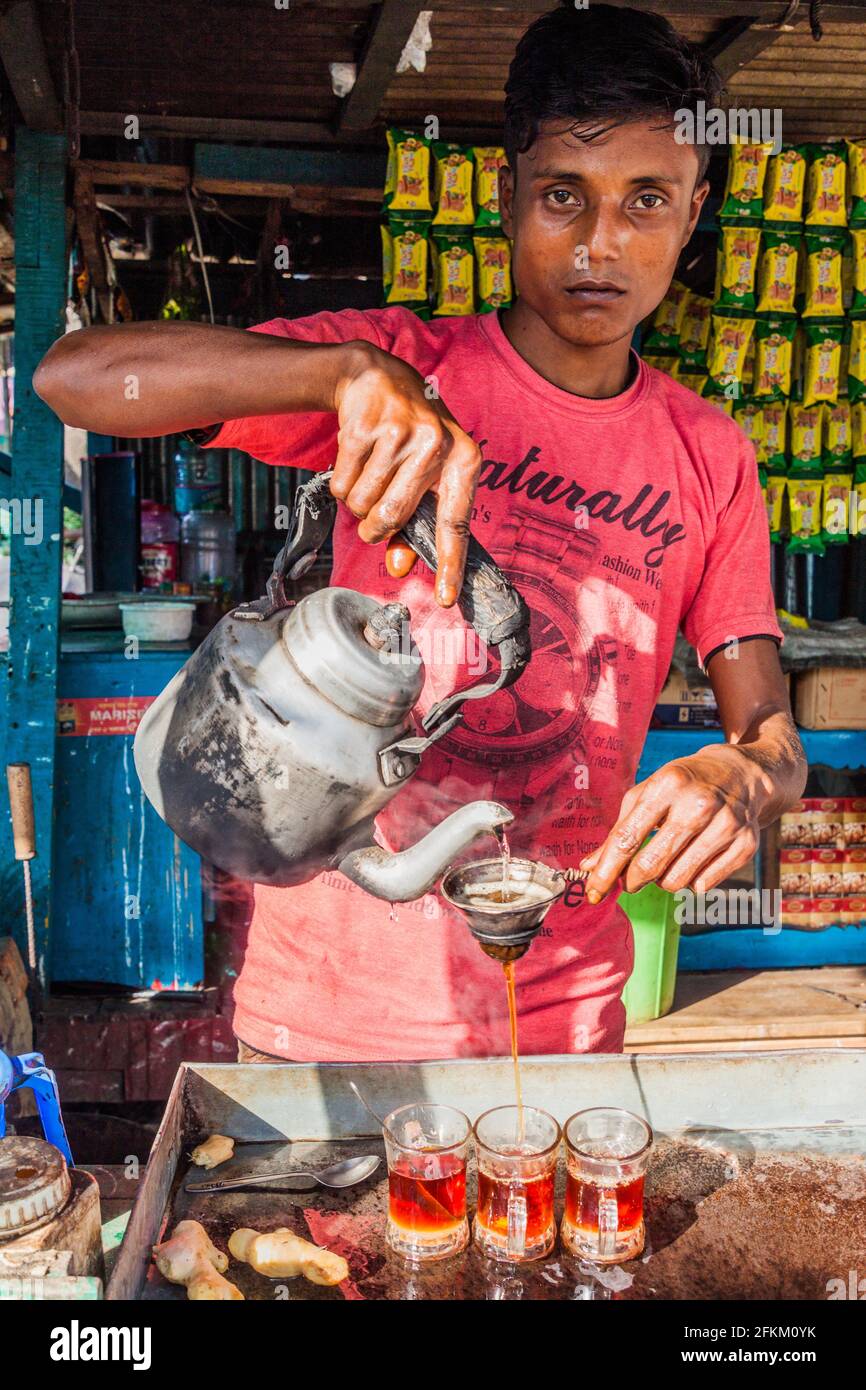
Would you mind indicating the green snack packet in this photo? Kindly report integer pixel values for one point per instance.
(493, 258)
(749, 415)
(835, 507)
(774, 357)
(695, 330)
(410, 278)
(489, 159)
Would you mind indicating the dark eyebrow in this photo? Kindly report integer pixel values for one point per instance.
(573, 176)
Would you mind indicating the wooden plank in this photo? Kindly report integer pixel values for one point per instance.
(200, 127)
(721, 1007)
(738, 45)
(37, 479)
(392, 24)
(174, 177)
(23, 53)
(89, 225)
(275, 168)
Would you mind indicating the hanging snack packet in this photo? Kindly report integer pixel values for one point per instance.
(858, 275)
(726, 355)
(804, 502)
(694, 381)
(387, 260)
(493, 255)
(837, 436)
(822, 362)
(785, 187)
(716, 396)
(857, 182)
(774, 498)
(663, 362)
(777, 273)
(453, 191)
(749, 415)
(858, 519)
(744, 189)
(410, 275)
(774, 348)
(664, 336)
(695, 330)
(825, 186)
(834, 510)
(736, 265)
(858, 433)
(774, 433)
(489, 159)
(823, 278)
(454, 276)
(857, 362)
(805, 423)
(407, 179)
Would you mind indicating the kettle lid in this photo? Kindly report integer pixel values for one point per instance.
(339, 641)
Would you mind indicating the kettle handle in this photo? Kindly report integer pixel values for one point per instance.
(487, 601)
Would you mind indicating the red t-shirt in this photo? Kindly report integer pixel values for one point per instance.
(618, 520)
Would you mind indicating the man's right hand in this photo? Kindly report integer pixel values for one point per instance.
(397, 441)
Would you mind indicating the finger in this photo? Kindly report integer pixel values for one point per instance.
(738, 853)
(456, 494)
(680, 828)
(353, 450)
(388, 455)
(624, 841)
(399, 559)
(724, 830)
(418, 470)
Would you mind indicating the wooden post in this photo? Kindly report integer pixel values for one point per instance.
(36, 502)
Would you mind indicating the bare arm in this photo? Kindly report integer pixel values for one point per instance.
(707, 809)
(394, 444)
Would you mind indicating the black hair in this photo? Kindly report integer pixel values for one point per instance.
(601, 67)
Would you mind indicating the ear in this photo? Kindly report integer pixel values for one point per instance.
(506, 199)
(698, 200)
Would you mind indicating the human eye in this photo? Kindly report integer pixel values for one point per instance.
(560, 197)
(649, 201)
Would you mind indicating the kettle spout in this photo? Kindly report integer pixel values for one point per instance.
(403, 877)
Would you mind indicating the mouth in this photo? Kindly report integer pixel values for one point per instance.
(594, 292)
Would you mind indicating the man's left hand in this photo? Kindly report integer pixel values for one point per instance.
(705, 810)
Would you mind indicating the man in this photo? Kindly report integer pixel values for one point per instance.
(619, 503)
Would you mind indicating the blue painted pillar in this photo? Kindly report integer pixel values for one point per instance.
(36, 494)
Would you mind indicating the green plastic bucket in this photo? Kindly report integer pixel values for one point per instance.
(649, 991)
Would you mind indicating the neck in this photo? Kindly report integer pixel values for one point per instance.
(594, 370)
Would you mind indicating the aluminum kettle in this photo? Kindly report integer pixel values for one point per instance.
(273, 749)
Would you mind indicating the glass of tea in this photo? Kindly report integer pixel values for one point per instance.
(516, 1149)
(427, 1147)
(606, 1152)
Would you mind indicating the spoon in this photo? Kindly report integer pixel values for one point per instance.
(343, 1174)
(370, 1111)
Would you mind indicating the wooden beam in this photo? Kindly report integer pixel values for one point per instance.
(23, 53)
(92, 240)
(172, 177)
(738, 44)
(202, 127)
(392, 24)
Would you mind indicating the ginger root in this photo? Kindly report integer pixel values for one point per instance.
(190, 1258)
(215, 1150)
(283, 1255)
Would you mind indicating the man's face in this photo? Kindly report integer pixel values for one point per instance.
(598, 226)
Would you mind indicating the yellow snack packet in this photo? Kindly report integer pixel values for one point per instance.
(662, 362)
(774, 498)
(695, 330)
(857, 182)
(664, 335)
(823, 280)
(744, 189)
(495, 290)
(694, 381)
(387, 258)
(749, 415)
(857, 361)
(489, 159)
(775, 432)
(736, 266)
(407, 177)
(834, 510)
(729, 343)
(804, 502)
(777, 273)
(837, 435)
(409, 283)
(785, 186)
(774, 354)
(455, 277)
(858, 432)
(858, 272)
(825, 186)
(806, 429)
(454, 168)
(822, 362)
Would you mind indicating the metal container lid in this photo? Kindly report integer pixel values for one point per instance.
(34, 1185)
(332, 639)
